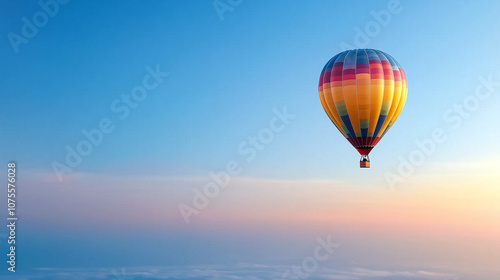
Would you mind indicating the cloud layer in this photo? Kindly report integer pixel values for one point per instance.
(240, 271)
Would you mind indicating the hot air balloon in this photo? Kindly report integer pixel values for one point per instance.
(363, 91)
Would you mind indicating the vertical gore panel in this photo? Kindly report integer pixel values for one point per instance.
(404, 94)
(397, 96)
(377, 90)
(349, 90)
(388, 77)
(326, 97)
(394, 89)
(363, 92)
(338, 93)
(321, 94)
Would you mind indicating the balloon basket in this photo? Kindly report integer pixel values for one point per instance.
(364, 162)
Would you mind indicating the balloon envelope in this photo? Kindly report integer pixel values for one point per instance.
(363, 91)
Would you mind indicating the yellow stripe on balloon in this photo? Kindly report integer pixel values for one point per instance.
(377, 98)
(394, 106)
(363, 94)
(402, 102)
(349, 89)
(329, 106)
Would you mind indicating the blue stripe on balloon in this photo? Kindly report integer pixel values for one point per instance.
(348, 125)
(364, 132)
(380, 123)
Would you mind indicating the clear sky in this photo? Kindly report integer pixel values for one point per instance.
(218, 75)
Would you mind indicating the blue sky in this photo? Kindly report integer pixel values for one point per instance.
(225, 79)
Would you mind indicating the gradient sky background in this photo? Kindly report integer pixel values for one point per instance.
(116, 215)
